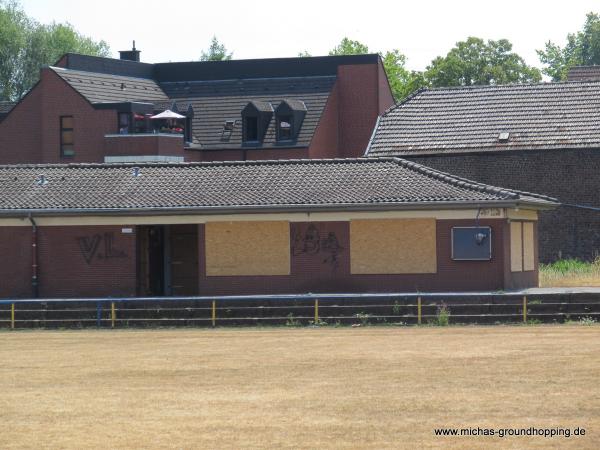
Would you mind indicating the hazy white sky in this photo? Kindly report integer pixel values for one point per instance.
(179, 30)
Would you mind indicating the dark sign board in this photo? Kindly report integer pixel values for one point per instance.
(472, 243)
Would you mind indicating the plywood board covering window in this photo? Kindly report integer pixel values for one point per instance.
(247, 248)
(393, 246)
(516, 246)
(528, 246)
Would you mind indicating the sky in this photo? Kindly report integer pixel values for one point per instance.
(179, 30)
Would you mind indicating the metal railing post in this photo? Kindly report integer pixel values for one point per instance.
(113, 316)
(524, 309)
(214, 313)
(316, 311)
(98, 314)
(419, 314)
(12, 316)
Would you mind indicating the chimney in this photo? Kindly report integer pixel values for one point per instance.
(130, 55)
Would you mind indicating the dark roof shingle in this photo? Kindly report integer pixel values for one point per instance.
(216, 101)
(584, 73)
(217, 186)
(104, 88)
(537, 116)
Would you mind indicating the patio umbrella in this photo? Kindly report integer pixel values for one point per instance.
(168, 114)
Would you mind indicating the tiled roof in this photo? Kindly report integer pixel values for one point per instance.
(5, 108)
(536, 116)
(214, 102)
(584, 73)
(337, 184)
(103, 88)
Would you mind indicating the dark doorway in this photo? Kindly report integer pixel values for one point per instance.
(167, 260)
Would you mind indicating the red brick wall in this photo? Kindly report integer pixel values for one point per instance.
(79, 261)
(359, 107)
(386, 98)
(131, 144)
(31, 133)
(15, 265)
(21, 131)
(86, 261)
(327, 268)
(325, 141)
(248, 154)
(90, 125)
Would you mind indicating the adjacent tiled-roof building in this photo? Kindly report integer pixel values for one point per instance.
(540, 116)
(91, 109)
(535, 137)
(584, 73)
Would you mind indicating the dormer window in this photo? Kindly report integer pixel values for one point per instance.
(289, 116)
(251, 128)
(284, 128)
(255, 121)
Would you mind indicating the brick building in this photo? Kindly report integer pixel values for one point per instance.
(531, 137)
(259, 227)
(91, 109)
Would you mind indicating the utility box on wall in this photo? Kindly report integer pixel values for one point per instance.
(471, 243)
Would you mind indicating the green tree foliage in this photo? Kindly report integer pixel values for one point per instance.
(402, 81)
(26, 46)
(216, 52)
(479, 62)
(582, 49)
(349, 47)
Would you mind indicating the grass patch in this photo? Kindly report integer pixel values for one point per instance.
(570, 273)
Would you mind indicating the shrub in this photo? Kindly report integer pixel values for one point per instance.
(442, 315)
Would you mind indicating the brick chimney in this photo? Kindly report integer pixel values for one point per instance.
(130, 55)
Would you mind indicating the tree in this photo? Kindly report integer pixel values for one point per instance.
(582, 49)
(216, 52)
(26, 46)
(402, 81)
(349, 47)
(477, 62)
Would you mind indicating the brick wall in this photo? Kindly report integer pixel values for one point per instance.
(16, 261)
(327, 268)
(75, 261)
(132, 144)
(31, 133)
(569, 175)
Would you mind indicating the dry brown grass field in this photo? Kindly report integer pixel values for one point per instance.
(372, 387)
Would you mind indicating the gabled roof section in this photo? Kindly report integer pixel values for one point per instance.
(584, 73)
(106, 88)
(217, 101)
(471, 119)
(217, 187)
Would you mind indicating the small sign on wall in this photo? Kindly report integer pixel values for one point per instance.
(126, 230)
(471, 243)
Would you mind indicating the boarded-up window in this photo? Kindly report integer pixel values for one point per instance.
(522, 246)
(528, 246)
(516, 246)
(393, 246)
(247, 248)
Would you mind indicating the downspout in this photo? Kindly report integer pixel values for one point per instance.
(34, 258)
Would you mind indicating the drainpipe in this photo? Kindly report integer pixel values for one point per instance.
(34, 258)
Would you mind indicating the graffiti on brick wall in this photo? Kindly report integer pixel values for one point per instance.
(99, 247)
(314, 242)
